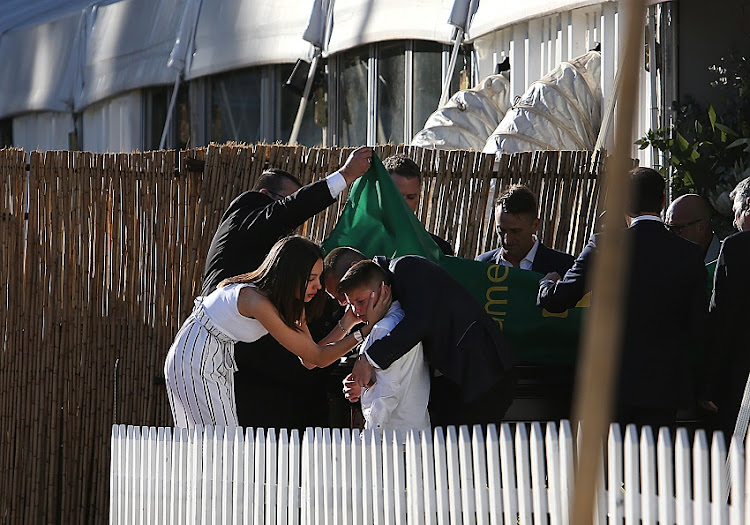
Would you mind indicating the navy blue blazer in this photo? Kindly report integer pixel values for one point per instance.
(459, 338)
(252, 224)
(729, 313)
(665, 311)
(545, 261)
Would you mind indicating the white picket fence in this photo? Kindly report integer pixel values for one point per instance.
(161, 475)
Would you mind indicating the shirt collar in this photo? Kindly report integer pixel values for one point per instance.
(527, 261)
(642, 218)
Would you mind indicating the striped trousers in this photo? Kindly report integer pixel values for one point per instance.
(199, 372)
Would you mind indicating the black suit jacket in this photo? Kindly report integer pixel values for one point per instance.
(459, 338)
(545, 261)
(272, 388)
(252, 224)
(665, 312)
(729, 315)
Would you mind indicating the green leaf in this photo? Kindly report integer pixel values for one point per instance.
(739, 142)
(712, 117)
(694, 155)
(682, 143)
(726, 129)
(698, 127)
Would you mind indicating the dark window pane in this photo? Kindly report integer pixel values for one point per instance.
(461, 78)
(6, 132)
(352, 117)
(235, 106)
(428, 72)
(181, 118)
(315, 118)
(156, 113)
(390, 108)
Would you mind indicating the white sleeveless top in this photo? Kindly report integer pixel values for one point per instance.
(221, 307)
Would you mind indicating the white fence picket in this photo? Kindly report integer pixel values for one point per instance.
(479, 462)
(648, 477)
(466, 474)
(441, 478)
(494, 476)
(683, 500)
(614, 475)
(719, 510)
(632, 476)
(217, 475)
(702, 475)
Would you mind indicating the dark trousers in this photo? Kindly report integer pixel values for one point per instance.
(640, 415)
(447, 406)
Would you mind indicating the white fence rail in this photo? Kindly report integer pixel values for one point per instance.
(162, 475)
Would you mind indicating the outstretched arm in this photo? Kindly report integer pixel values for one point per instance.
(564, 294)
(252, 303)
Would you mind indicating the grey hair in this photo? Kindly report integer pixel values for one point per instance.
(741, 193)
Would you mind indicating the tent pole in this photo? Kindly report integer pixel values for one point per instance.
(172, 102)
(445, 95)
(305, 96)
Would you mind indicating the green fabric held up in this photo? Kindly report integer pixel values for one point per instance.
(377, 221)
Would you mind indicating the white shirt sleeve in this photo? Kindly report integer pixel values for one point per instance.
(336, 183)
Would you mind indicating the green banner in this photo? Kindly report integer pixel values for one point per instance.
(377, 221)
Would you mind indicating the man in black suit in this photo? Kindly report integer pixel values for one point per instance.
(272, 388)
(545, 390)
(408, 178)
(516, 223)
(665, 307)
(729, 312)
(459, 339)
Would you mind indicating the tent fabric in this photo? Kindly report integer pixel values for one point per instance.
(468, 118)
(233, 34)
(492, 16)
(359, 22)
(560, 111)
(38, 67)
(128, 47)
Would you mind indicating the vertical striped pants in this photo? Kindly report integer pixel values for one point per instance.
(199, 372)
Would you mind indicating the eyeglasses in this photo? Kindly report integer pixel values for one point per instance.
(677, 228)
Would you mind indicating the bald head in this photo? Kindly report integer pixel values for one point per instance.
(689, 217)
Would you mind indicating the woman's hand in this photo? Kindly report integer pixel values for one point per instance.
(380, 303)
(350, 319)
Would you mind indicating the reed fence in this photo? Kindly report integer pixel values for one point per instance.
(101, 256)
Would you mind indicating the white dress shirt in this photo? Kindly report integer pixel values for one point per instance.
(336, 183)
(527, 261)
(398, 399)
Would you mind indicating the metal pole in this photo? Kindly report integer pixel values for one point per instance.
(303, 101)
(172, 102)
(445, 95)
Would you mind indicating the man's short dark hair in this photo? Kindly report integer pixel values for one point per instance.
(338, 261)
(404, 166)
(647, 191)
(274, 180)
(363, 273)
(518, 200)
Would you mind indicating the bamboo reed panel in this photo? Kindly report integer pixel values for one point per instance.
(103, 272)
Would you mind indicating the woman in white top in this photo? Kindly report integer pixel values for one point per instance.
(277, 298)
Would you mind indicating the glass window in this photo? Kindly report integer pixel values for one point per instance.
(315, 119)
(6, 132)
(235, 106)
(181, 118)
(352, 88)
(428, 71)
(462, 73)
(390, 105)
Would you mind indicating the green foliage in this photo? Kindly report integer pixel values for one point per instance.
(708, 150)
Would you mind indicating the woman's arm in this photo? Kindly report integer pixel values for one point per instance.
(253, 304)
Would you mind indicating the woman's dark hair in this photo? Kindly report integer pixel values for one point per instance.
(283, 277)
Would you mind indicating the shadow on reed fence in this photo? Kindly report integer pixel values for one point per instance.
(101, 256)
